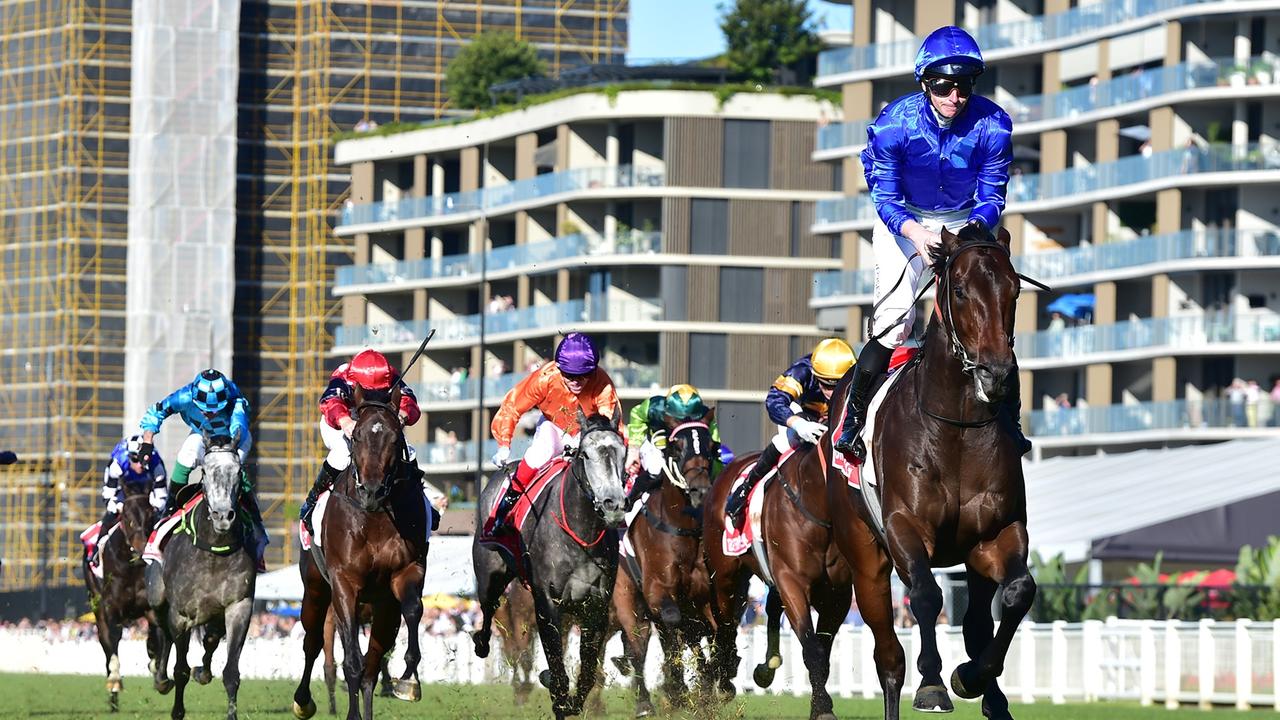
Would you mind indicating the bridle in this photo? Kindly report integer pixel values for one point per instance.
(391, 478)
(577, 468)
(673, 469)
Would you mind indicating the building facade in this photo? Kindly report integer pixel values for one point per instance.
(671, 225)
(1145, 162)
(244, 281)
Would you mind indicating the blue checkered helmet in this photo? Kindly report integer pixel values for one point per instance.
(211, 391)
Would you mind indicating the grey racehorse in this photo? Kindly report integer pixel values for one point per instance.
(572, 559)
(207, 577)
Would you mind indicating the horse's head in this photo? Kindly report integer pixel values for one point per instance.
(376, 445)
(602, 454)
(977, 291)
(221, 480)
(690, 455)
(136, 519)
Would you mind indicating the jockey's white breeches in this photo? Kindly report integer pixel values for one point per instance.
(335, 441)
(548, 442)
(191, 454)
(893, 297)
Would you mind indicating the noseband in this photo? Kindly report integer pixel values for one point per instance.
(577, 471)
(970, 365)
(391, 478)
(673, 469)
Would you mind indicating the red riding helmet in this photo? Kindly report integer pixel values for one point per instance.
(370, 370)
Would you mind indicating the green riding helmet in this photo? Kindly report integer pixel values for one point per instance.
(683, 403)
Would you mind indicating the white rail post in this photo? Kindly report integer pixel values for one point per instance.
(1091, 655)
(1275, 664)
(1058, 666)
(866, 651)
(1244, 664)
(1027, 661)
(844, 652)
(1204, 641)
(799, 672)
(1147, 663)
(1172, 665)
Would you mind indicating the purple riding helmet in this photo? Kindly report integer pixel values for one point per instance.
(576, 355)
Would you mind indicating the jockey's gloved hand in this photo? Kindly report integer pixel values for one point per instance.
(650, 459)
(808, 430)
(501, 457)
(144, 451)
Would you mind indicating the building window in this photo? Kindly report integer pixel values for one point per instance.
(709, 227)
(740, 425)
(707, 360)
(746, 153)
(741, 295)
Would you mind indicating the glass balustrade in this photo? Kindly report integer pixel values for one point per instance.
(1167, 334)
(1205, 413)
(447, 391)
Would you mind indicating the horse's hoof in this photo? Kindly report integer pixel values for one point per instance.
(932, 698)
(152, 667)
(623, 665)
(115, 685)
(775, 662)
(164, 687)
(995, 714)
(825, 716)
(114, 702)
(544, 677)
(763, 675)
(644, 708)
(304, 712)
(202, 675)
(482, 645)
(962, 681)
(408, 690)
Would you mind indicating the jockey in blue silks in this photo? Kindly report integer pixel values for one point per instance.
(936, 158)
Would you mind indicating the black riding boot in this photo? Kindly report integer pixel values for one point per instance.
(323, 481)
(643, 484)
(735, 506)
(507, 502)
(108, 522)
(1013, 405)
(417, 476)
(249, 501)
(872, 362)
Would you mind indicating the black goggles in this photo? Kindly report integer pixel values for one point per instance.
(942, 87)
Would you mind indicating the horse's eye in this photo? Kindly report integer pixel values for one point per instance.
(959, 293)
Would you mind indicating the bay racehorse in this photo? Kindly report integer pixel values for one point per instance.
(571, 552)
(208, 576)
(951, 484)
(673, 591)
(120, 596)
(331, 665)
(371, 547)
(807, 568)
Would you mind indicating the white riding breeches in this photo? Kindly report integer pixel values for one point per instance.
(191, 454)
(548, 442)
(897, 281)
(335, 441)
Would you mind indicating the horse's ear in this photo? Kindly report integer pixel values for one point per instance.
(582, 419)
(357, 394)
(1002, 237)
(618, 422)
(950, 241)
(710, 417)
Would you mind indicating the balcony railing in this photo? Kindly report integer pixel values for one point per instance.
(1146, 416)
(501, 258)
(1168, 334)
(1129, 170)
(463, 451)
(1054, 267)
(466, 328)
(447, 391)
(843, 134)
(900, 54)
(490, 199)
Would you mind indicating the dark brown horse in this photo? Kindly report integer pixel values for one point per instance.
(667, 537)
(951, 484)
(808, 572)
(517, 626)
(120, 596)
(371, 547)
(331, 666)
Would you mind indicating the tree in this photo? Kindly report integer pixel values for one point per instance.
(490, 58)
(765, 37)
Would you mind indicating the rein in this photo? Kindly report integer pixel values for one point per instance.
(564, 524)
(392, 478)
(794, 496)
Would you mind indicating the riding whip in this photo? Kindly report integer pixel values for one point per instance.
(400, 380)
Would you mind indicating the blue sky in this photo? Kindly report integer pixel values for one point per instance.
(682, 29)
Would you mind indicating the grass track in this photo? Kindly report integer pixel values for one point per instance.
(63, 697)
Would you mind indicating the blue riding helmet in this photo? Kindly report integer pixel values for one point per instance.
(210, 391)
(949, 52)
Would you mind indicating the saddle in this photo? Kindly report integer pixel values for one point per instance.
(184, 520)
(511, 544)
(735, 542)
(90, 538)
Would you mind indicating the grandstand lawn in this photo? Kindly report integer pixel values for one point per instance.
(63, 697)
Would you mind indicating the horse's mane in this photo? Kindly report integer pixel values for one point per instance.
(938, 254)
(596, 421)
(382, 396)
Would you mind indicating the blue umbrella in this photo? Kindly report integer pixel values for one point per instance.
(1078, 305)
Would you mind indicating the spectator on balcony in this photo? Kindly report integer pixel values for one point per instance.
(1252, 397)
(1236, 399)
(1190, 157)
(1275, 401)
(1057, 323)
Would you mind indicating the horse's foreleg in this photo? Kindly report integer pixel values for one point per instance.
(237, 618)
(871, 583)
(1004, 561)
(978, 627)
(794, 591)
(330, 665)
(157, 637)
(489, 592)
(317, 622)
(635, 640)
(765, 671)
(408, 590)
(554, 677)
(181, 673)
(346, 612)
(832, 609)
(382, 640)
(212, 636)
(907, 546)
(729, 596)
(591, 643)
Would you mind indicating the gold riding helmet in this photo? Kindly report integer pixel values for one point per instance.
(831, 359)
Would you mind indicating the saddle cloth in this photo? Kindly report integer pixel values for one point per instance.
(317, 520)
(154, 552)
(512, 543)
(736, 541)
(90, 538)
(856, 473)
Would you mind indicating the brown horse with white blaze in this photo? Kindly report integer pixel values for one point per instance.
(951, 483)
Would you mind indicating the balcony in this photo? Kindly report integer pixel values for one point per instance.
(1037, 113)
(1013, 39)
(1078, 185)
(1150, 337)
(465, 329)
(1203, 419)
(544, 256)
(437, 394)
(1086, 264)
(469, 204)
(455, 457)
